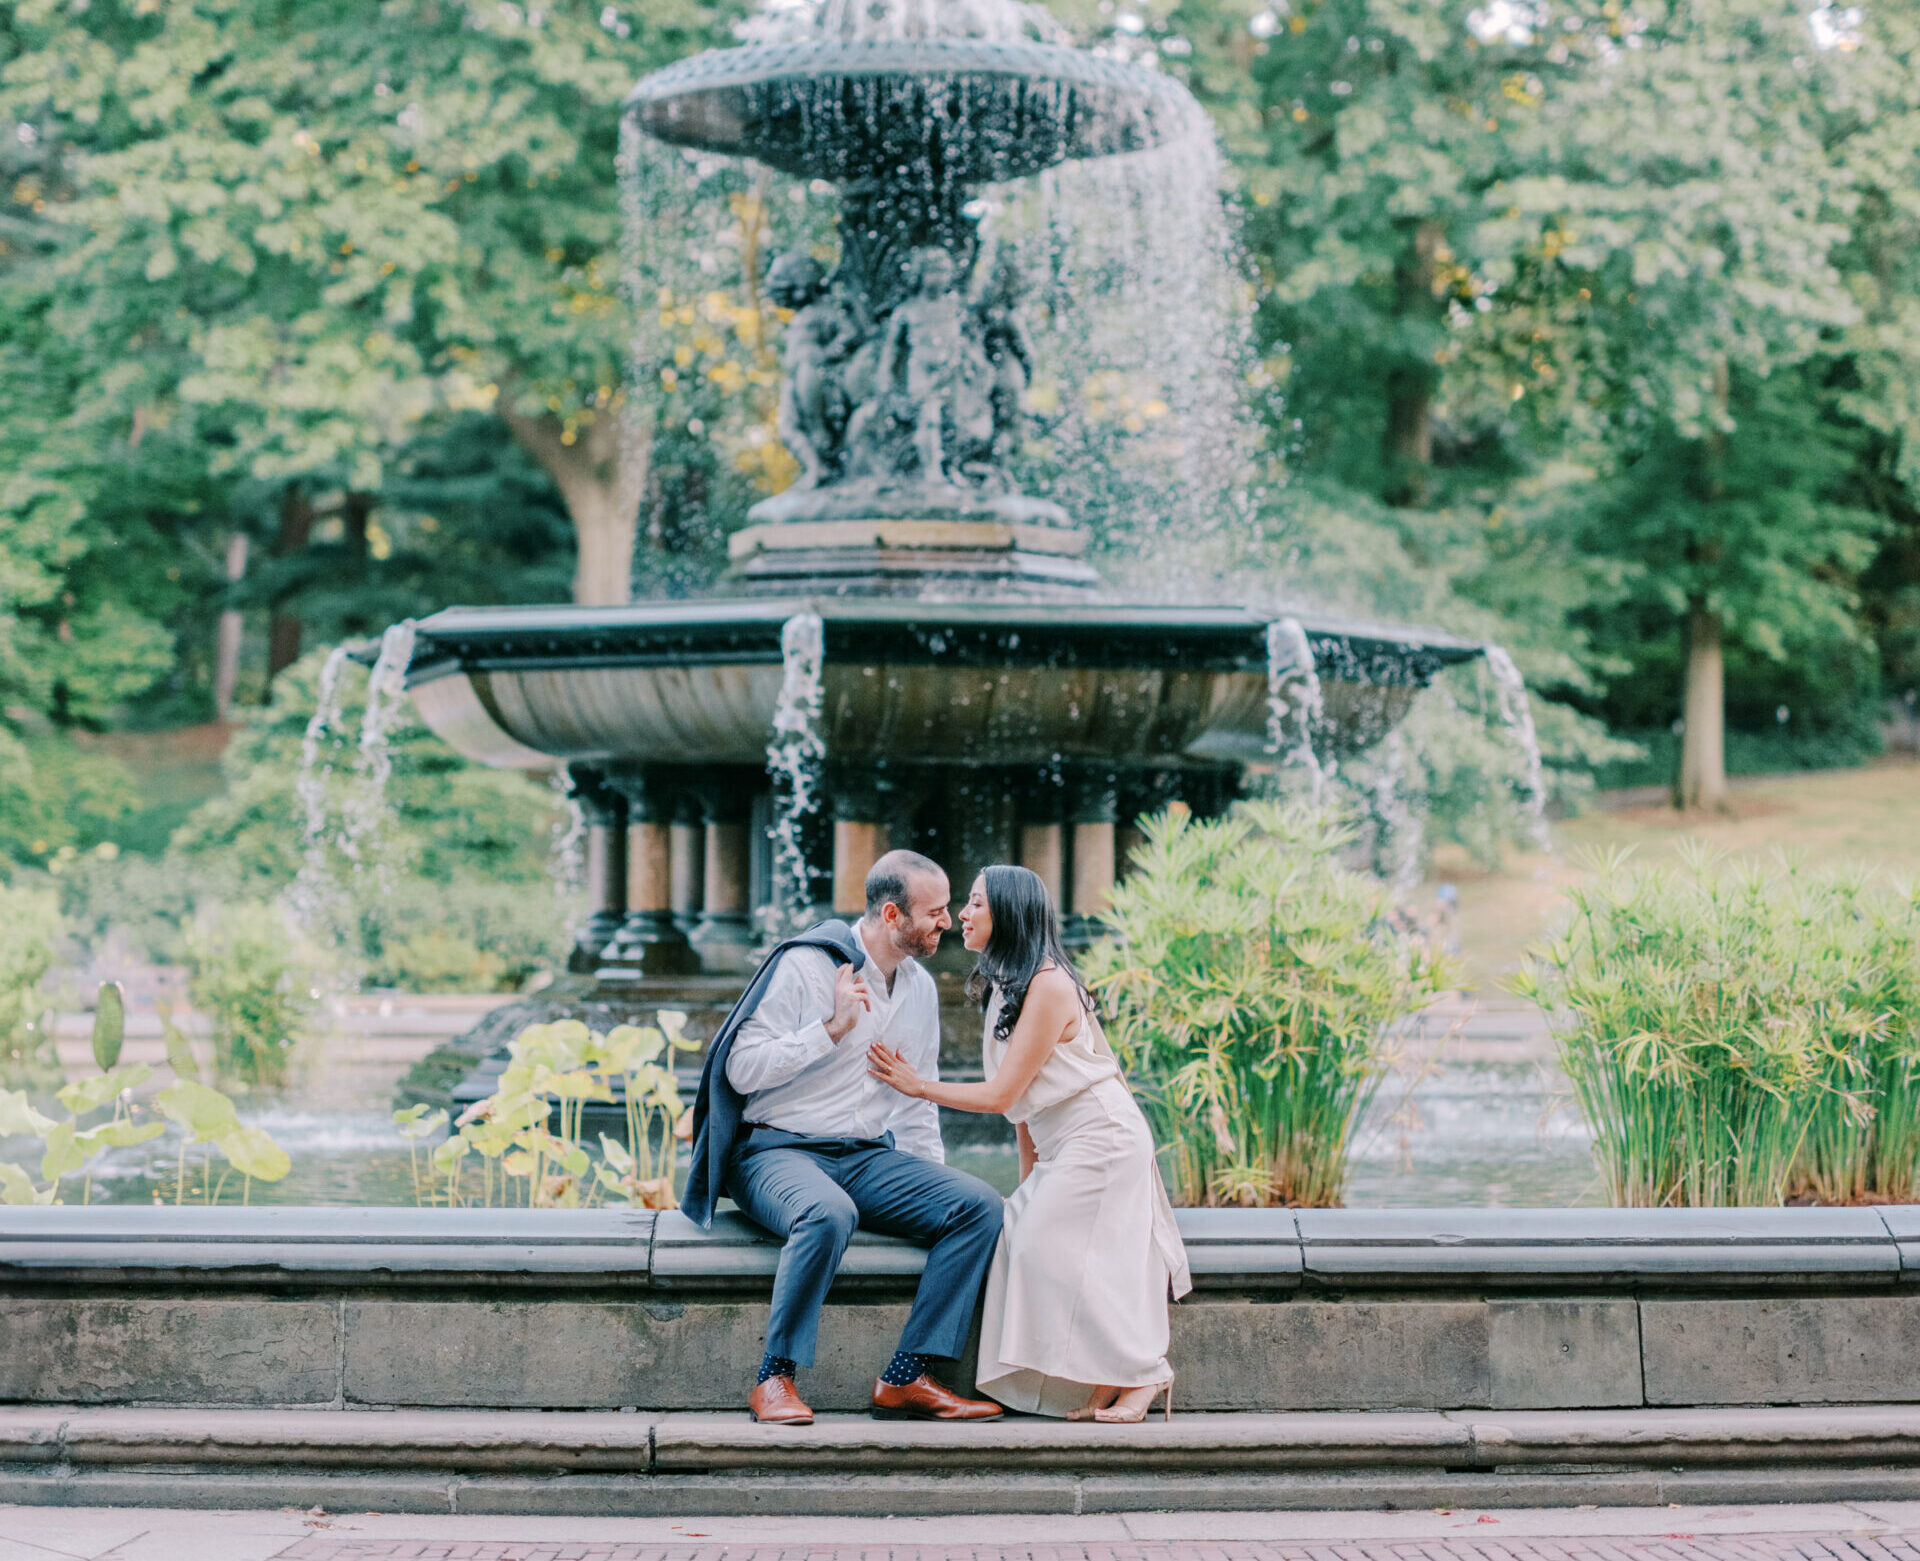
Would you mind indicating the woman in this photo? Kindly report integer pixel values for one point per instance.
(1076, 1308)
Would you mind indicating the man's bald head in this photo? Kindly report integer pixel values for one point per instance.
(890, 881)
(907, 902)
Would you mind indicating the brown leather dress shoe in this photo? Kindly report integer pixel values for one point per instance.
(777, 1402)
(925, 1399)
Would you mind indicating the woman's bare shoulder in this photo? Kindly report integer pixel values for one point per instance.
(1052, 985)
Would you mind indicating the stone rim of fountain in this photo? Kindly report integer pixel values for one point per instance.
(696, 101)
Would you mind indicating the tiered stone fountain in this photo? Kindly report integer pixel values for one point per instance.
(920, 648)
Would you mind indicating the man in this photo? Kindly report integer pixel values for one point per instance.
(823, 1147)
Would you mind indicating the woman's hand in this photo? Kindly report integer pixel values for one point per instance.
(889, 1067)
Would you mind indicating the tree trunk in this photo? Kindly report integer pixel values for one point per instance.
(1703, 744)
(1406, 446)
(600, 475)
(355, 511)
(232, 631)
(283, 628)
(1703, 767)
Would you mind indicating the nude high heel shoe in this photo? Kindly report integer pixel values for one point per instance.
(1114, 1416)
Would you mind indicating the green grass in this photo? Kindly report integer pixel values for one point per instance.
(173, 773)
(1869, 816)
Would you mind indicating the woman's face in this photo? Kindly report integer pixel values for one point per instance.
(976, 921)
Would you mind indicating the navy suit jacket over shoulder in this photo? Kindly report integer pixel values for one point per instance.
(718, 1105)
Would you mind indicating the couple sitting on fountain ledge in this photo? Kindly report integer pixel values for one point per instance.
(818, 1113)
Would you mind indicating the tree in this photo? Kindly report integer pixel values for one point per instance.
(1679, 249)
(293, 230)
(1371, 140)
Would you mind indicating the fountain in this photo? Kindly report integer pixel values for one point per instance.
(914, 651)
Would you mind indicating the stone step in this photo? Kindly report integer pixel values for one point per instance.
(532, 1462)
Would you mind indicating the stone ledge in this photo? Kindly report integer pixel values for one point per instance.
(1684, 1246)
(529, 1462)
(1263, 1249)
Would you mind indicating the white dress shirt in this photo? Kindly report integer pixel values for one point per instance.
(795, 1076)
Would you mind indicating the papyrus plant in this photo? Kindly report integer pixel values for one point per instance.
(1249, 984)
(1728, 1028)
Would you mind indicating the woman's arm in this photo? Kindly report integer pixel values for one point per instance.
(1051, 1009)
(1028, 1154)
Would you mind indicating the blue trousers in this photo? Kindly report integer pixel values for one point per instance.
(816, 1191)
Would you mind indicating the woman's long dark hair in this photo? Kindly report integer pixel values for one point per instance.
(1026, 936)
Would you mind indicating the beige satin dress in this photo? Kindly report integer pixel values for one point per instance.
(1090, 1255)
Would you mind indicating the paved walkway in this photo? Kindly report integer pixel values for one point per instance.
(1865, 1531)
(1770, 1547)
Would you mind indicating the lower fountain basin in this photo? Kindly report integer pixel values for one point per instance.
(953, 683)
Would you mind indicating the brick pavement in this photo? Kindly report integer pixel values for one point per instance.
(1669, 1547)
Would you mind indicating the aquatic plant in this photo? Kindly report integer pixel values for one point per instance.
(526, 1157)
(248, 978)
(204, 1115)
(1863, 1140)
(1250, 982)
(30, 926)
(1734, 1031)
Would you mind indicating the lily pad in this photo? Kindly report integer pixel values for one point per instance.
(18, 1118)
(252, 1152)
(109, 1024)
(205, 1113)
(84, 1095)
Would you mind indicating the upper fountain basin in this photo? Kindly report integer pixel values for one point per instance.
(953, 683)
(964, 110)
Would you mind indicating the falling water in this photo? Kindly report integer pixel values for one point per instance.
(386, 688)
(794, 757)
(566, 846)
(1139, 313)
(1295, 705)
(313, 897)
(1516, 711)
(1402, 835)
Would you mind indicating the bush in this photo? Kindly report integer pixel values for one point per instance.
(247, 977)
(29, 930)
(436, 959)
(1850, 740)
(469, 935)
(1251, 980)
(1731, 1031)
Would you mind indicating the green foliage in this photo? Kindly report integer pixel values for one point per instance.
(460, 848)
(510, 1133)
(1722, 1024)
(204, 1115)
(1772, 750)
(247, 976)
(1251, 981)
(449, 818)
(30, 931)
(109, 1025)
(66, 1147)
(57, 800)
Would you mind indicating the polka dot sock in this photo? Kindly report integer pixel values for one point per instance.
(905, 1367)
(775, 1366)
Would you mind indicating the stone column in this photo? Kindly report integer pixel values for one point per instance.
(605, 812)
(860, 834)
(725, 934)
(686, 857)
(648, 943)
(1093, 807)
(1042, 839)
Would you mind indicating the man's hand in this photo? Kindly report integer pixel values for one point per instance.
(850, 996)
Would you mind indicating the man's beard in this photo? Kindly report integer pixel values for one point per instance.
(923, 946)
